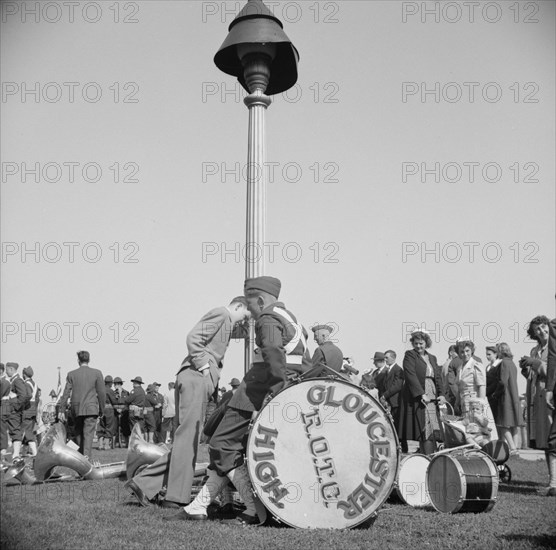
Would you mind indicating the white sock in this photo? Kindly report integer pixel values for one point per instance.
(551, 458)
(253, 506)
(209, 491)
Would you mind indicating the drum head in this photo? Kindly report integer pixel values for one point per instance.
(323, 454)
(444, 483)
(412, 480)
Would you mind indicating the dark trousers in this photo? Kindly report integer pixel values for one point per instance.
(3, 432)
(227, 445)
(28, 427)
(14, 422)
(552, 433)
(158, 426)
(84, 432)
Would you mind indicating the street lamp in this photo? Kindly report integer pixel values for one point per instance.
(261, 56)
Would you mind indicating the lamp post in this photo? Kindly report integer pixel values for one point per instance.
(261, 56)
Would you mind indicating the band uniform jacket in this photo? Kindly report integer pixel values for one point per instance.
(328, 354)
(393, 384)
(137, 398)
(412, 413)
(5, 387)
(86, 390)
(19, 394)
(282, 353)
(30, 410)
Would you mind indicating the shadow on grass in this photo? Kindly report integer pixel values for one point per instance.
(523, 488)
(539, 541)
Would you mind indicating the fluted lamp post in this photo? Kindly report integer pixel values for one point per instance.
(261, 56)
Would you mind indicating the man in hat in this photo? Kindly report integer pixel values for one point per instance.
(150, 420)
(196, 382)
(107, 425)
(17, 399)
(29, 419)
(327, 353)
(136, 402)
(86, 392)
(282, 353)
(158, 405)
(121, 413)
(380, 372)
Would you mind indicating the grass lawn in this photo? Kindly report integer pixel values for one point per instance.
(102, 515)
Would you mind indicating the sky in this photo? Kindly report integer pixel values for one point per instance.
(409, 176)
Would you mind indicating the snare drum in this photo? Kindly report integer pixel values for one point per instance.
(322, 454)
(411, 484)
(467, 482)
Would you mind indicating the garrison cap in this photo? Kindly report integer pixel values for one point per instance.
(28, 371)
(322, 327)
(272, 285)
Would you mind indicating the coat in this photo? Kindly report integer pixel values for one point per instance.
(412, 412)
(328, 354)
(393, 385)
(508, 410)
(86, 390)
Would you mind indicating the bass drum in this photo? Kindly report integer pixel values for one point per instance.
(322, 454)
(411, 484)
(466, 482)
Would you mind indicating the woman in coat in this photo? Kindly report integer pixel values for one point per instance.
(508, 409)
(533, 367)
(492, 375)
(423, 383)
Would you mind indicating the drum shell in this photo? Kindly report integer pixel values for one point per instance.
(464, 482)
(411, 481)
(324, 465)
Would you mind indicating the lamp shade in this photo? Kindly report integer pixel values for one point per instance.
(256, 26)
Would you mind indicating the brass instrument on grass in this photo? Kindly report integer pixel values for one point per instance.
(53, 452)
(141, 453)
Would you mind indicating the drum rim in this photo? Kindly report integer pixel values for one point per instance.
(386, 413)
(494, 477)
(397, 488)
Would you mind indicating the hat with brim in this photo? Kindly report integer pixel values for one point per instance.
(118, 380)
(379, 356)
(138, 380)
(108, 379)
(234, 382)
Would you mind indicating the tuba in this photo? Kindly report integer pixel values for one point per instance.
(53, 452)
(141, 453)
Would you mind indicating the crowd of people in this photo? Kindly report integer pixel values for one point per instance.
(484, 395)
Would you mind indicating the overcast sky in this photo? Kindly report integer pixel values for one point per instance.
(410, 177)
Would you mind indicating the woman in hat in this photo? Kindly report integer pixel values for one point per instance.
(423, 384)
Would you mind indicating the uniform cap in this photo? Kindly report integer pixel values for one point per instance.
(138, 379)
(14, 365)
(322, 327)
(118, 380)
(108, 379)
(272, 285)
(156, 384)
(28, 371)
(234, 382)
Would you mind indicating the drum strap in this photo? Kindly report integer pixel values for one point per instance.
(298, 336)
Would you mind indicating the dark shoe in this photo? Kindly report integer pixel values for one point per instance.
(551, 492)
(137, 493)
(170, 504)
(182, 515)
